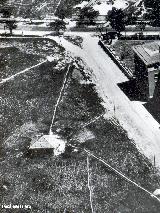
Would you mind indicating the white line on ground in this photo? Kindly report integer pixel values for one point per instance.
(21, 72)
(121, 174)
(59, 98)
(89, 184)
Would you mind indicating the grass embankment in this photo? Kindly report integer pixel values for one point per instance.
(56, 184)
(76, 40)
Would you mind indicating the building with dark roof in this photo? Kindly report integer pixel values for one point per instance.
(147, 66)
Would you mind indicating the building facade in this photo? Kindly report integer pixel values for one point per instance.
(147, 67)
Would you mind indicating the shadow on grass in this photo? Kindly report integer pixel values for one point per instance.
(132, 91)
(154, 110)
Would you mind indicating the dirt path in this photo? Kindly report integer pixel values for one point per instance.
(134, 118)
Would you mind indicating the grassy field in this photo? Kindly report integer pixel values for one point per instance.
(19, 54)
(59, 184)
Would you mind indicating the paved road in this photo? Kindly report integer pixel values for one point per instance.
(135, 119)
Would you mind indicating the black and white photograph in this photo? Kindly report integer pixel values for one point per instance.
(79, 106)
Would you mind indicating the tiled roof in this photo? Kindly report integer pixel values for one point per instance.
(148, 52)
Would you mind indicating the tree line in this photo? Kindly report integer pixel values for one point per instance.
(153, 11)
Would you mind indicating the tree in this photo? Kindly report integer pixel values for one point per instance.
(58, 25)
(153, 11)
(2, 2)
(6, 12)
(88, 14)
(142, 26)
(61, 13)
(116, 17)
(11, 25)
(130, 17)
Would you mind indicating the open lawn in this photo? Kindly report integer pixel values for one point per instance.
(19, 54)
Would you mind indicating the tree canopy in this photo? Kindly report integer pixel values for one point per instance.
(130, 15)
(61, 13)
(11, 25)
(153, 7)
(2, 2)
(58, 25)
(116, 17)
(6, 12)
(88, 14)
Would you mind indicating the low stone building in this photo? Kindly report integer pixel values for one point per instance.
(48, 144)
(147, 67)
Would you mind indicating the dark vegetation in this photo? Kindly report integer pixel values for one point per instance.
(153, 11)
(130, 14)
(87, 16)
(58, 25)
(11, 25)
(119, 19)
(116, 17)
(76, 40)
(66, 8)
(6, 11)
(3, 2)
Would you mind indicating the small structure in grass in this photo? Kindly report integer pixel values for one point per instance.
(48, 143)
(51, 141)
